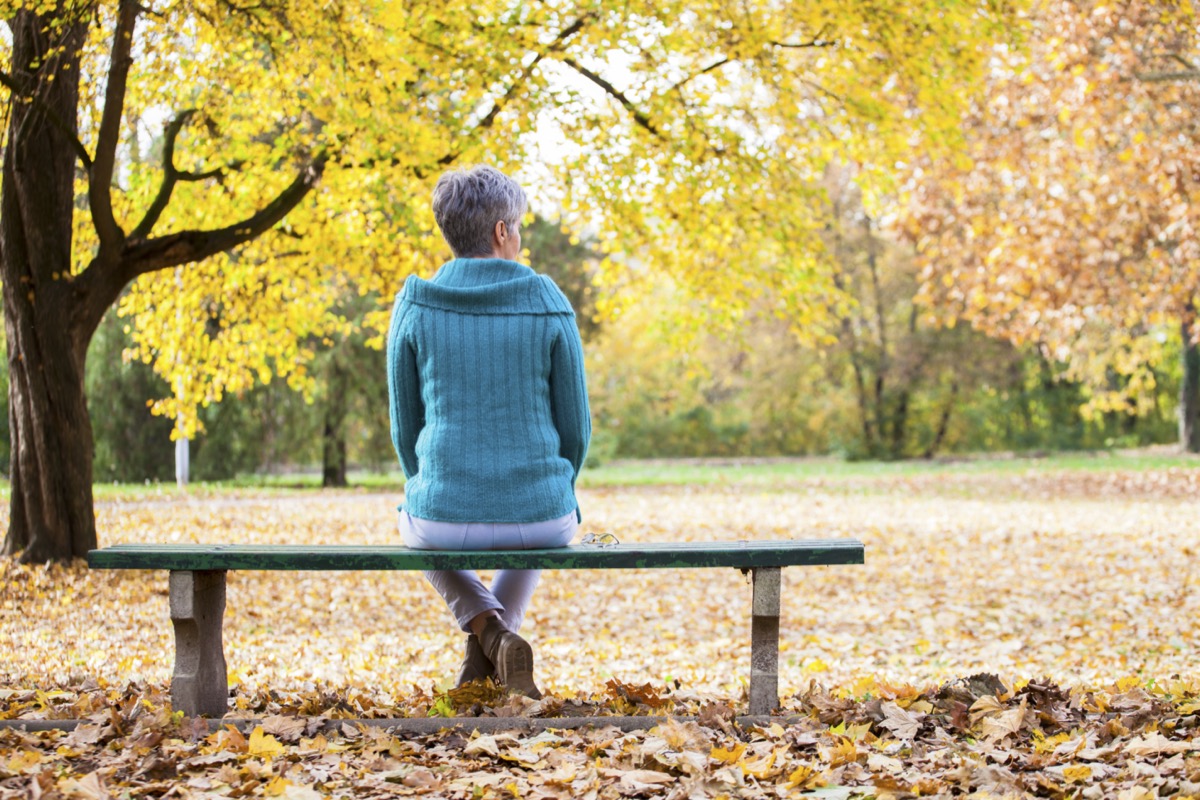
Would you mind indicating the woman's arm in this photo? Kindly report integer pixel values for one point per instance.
(568, 394)
(404, 391)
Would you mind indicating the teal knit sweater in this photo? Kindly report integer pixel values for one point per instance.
(488, 398)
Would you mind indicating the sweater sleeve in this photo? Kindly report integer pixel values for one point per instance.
(404, 391)
(568, 395)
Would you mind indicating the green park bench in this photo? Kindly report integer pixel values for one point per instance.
(197, 589)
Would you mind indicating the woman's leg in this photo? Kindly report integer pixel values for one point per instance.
(465, 595)
(492, 617)
(513, 588)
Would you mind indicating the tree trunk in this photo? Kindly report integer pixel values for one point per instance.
(333, 471)
(899, 424)
(943, 425)
(51, 501)
(1189, 390)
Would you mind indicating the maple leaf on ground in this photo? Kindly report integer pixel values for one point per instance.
(491, 745)
(1005, 724)
(645, 694)
(263, 744)
(1156, 744)
(288, 729)
(903, 723)
(643, 781)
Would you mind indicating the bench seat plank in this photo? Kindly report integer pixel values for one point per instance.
(738, 554)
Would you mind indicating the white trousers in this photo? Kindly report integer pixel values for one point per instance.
(511, 589)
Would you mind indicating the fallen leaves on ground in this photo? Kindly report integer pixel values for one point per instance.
(1068, 599)
(892, 741)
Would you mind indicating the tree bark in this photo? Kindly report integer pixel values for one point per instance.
(51, 492)
(333, 472)
(1189, 389)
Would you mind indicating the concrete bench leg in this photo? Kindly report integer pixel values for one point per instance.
(764, 641)
(200, 684)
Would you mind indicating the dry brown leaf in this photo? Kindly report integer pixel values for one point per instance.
(1006, 723)
(903, 723)
(89, 787)
(288, 729)
(643, 781)
(1156, 744)
(490, 745)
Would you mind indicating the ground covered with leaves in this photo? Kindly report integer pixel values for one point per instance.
(1010, 634)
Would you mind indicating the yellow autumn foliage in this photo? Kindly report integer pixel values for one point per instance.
(689, 138)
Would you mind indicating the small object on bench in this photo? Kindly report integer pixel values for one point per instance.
(197, 589)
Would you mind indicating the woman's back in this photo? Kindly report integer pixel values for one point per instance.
(490, 414)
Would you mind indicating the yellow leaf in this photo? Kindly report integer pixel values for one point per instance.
(1128, 682)
(1077, 773)
(277, 785)
(1137, 793)
(23, 761)
(843, 752)
(264, 744)
(803, 777)
(761, 768)
(727, 756)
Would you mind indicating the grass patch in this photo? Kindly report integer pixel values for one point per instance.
(763, 472)
(666, 472)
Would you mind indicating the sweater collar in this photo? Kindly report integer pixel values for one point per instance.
(469, 273)
(487, 286)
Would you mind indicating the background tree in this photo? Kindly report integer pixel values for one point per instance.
(1072, 220)
(908, 378)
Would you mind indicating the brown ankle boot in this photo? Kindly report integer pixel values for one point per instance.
(475, 665)
(512, 656)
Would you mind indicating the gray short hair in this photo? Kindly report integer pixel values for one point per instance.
(468, 203)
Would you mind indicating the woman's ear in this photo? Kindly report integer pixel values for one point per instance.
(500, 233)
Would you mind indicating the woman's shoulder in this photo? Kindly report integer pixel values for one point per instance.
(555, 299)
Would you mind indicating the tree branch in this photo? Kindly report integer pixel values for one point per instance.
(171, 175)
(185, 247)
(81, 152)
(800, 45)
(817, 41)
(638, 116)
(215, 172)
(489, 118)
(1166, 77)
(720, 62)
(101, 174)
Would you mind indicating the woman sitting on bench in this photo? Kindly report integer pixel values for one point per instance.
(489, 415)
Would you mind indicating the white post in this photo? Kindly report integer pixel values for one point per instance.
(181, 443)
(181, 462)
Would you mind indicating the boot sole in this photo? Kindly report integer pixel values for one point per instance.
(515, 666)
